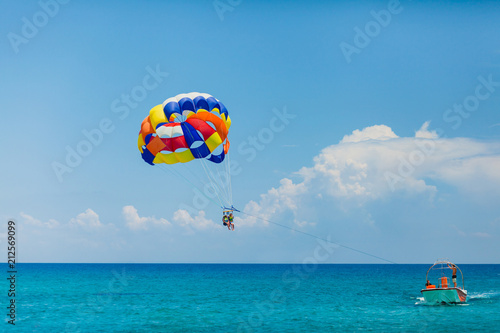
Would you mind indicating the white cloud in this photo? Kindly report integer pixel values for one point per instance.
(88, 220)
(135, 222)
(424, 132)
(477, 234)
(51, 223)
(377, 132)
(473, 174)
(277, 200)
(200, 222)
(374, 164)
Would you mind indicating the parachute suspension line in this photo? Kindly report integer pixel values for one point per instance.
(216, 186)
(186, 166)
(223, 184)
(322, 239)
(165, 169)
(213, 181)
(219, 186)
(177, 174)
(227, 178)
(228, 175)
(217, 179)
(203, 181)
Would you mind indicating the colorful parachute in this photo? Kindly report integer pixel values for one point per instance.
(183, 128)
(190, 127)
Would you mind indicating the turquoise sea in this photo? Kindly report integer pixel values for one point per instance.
(243, 298)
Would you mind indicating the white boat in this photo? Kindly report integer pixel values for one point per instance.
(444, 293)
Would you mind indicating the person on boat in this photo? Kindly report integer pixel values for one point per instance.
(231, 219)
(428, 283)
(454, 274)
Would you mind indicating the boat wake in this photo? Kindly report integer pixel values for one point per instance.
(486, 295)
(420, 301)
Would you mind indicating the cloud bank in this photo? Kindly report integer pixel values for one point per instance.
(135, 222)
(375, 164)
(365, 166)
(359, 190)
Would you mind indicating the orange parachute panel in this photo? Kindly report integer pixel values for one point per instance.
(146, 127)
(155, 145)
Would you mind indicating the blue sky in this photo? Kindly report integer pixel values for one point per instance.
(393, 149)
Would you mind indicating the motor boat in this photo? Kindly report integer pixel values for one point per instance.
(444, 292)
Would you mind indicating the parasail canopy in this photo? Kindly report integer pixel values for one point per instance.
(190, 127)
(183, 128)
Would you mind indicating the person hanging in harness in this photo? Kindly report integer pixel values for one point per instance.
(231, 219)
(225, 220)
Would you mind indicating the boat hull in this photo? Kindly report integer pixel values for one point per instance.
(444, 295)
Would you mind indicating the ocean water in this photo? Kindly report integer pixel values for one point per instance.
(244, 298)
